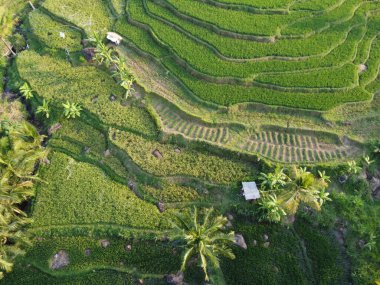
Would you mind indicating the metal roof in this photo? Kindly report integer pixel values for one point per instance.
(114, 37)
(250, 191)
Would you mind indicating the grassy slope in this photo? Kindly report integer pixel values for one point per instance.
(96, 208)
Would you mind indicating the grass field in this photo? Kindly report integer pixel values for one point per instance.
(225, 89)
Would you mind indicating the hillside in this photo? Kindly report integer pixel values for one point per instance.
(221, 91)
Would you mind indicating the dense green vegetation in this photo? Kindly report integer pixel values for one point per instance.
(150, 140)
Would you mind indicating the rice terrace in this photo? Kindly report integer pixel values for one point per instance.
(190, 142)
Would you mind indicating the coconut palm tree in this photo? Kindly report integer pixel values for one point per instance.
(204, 238)
(20, 150)
(13, 240)
(270, 208)
(302, 187)
(273, 181)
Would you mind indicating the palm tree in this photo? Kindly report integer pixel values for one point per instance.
(26, 91)
(271, 208)
(20, 150)
(71, 110)
(303, 187)
(44, 108)
(204, 238)
(273, 181)
(13, 240)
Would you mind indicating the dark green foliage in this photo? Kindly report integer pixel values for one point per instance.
(281, 263)
(323, 253)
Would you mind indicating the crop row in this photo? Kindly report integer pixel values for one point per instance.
(228, 94)
(174, 123)
(95, 90)
(259, 3)
(291, 148)
(90, 15)
(200, 57)
(294, 23)
(66, 176)
(239, 21)
(48, 31)
(321, 43)
(176, 160)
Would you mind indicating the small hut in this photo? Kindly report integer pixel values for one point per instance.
(250, 191)
(115, 38)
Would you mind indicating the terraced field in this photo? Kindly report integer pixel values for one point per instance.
(221, 81)
(315, 57)
(224, 90)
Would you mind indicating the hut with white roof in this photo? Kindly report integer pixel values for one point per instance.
(250, 191)
(114, 37)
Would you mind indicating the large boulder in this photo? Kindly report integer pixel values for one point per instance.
(175, 279)
(374, 183)
(60, 259)
(239, 241)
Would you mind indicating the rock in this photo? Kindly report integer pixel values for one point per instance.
(104, 243)
(230, 217)
(112, 98)
(86, 150)
(60, 259)
(89, 53)
(361, 243)
(266, 244)
(157, 154)
(376, 194)
(94, 99)
(177, 150)
(54, 128)
(265, 237)
(374, 183)
(229, 224)
(289, 219)
(347, 123)
(343, 179)
(128, 247)
(132, 186)
(362, 67)
(140, 281)
(330, 124)
(107, 153)
(46, 161)
(174, 279)
(161, 207)
(342, 230)
(87, 252)
(239, 241)
(254, 242)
